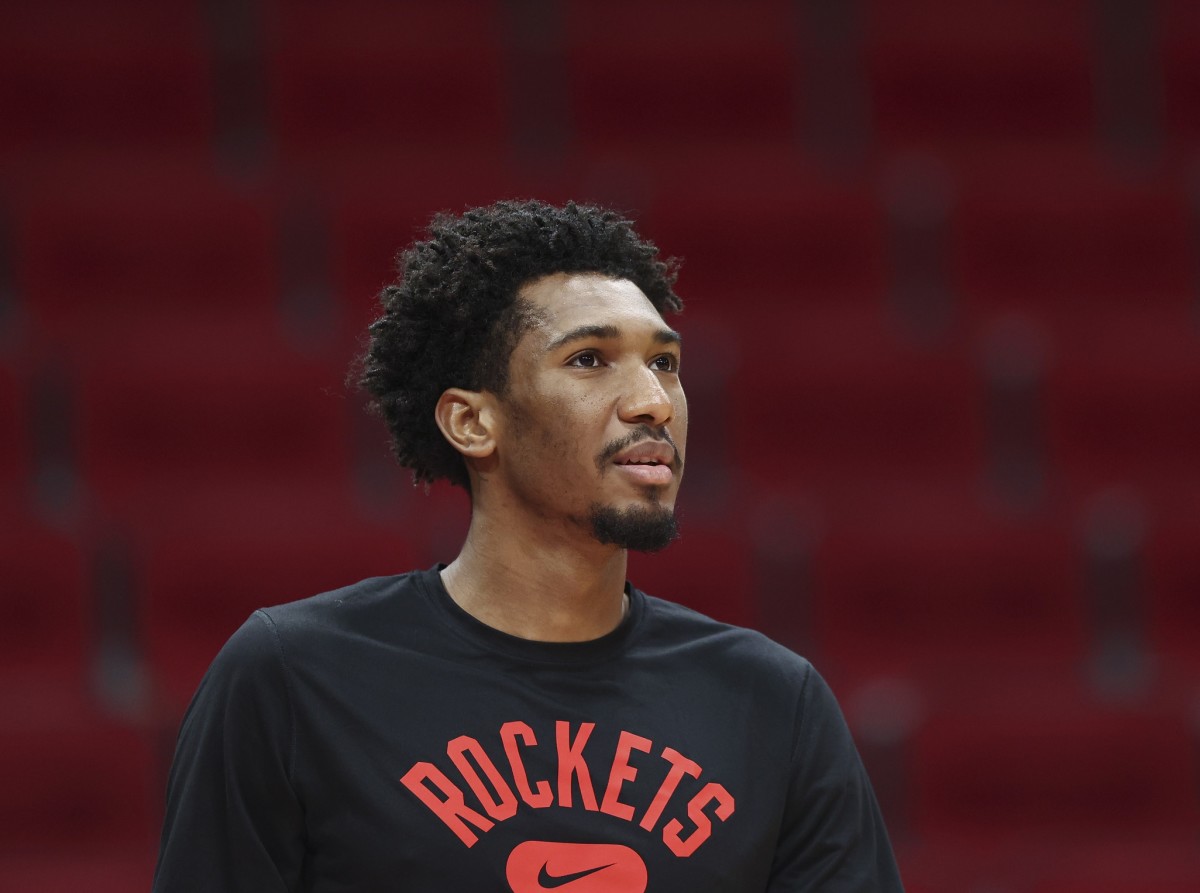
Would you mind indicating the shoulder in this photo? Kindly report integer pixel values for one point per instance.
(357, 603)
(746, 652)
(274, 638)
(393, 609)
(739, 671)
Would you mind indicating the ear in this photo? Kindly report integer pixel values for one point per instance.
(466, 419)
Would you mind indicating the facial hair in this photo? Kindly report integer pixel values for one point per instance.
(648, 528)
(640, 528)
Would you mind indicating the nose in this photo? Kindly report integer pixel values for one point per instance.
(646, 401)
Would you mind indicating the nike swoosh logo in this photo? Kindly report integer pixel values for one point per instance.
(549, 881)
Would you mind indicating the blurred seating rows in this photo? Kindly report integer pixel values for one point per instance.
(943, 320)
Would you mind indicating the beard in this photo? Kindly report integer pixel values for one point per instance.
(648, 528)
(641, 528)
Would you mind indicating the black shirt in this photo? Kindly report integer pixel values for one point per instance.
(378, 737)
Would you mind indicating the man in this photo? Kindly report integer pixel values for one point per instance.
(522, 719)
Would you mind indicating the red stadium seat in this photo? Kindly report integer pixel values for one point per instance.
(675, 74)
(77, 786)
(16, 460)
(1165, 867)
(1180, 39)
(110, 872)
(834, 403)
(109, 255)
(1045, 864)
(176, 429)
(756, 225)
(1060, 236)
(381, 77)
(116, 76)
(950, 596)
(963, 75)
(1121, 409)
(1054, 778)
(43, 605)
(1172, 562)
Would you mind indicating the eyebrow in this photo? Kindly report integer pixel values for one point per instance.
(583, 333)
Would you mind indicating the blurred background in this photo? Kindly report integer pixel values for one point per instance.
(942, 275)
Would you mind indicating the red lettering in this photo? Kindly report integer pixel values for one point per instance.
(453, 809)
(509, 733)
(711, 792)
(622, 772)
(504, 804)
(500, 795)
(570, 762)
(680, 766)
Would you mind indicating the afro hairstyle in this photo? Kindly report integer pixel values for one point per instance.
(454, 315)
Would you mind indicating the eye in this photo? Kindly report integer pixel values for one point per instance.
(666, 362)
(588, 359)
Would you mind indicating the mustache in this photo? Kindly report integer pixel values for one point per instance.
(637, 435)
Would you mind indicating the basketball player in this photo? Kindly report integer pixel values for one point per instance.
(522, 718)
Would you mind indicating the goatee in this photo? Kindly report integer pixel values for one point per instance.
(642, 528)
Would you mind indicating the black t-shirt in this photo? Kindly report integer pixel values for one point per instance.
(379, 738)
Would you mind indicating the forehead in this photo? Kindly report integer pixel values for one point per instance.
(565, 301)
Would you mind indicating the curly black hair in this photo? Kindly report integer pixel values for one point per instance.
(454, 316)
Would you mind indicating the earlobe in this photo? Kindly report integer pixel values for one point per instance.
(465, 419)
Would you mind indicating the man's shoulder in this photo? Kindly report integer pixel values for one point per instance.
(319, 630)
(678, 627)
(368, 594)
(366, 606)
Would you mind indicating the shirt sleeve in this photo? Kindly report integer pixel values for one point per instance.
(833, 837)
(233, 819)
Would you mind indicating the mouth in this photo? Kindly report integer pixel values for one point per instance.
(647, 472)
(646, 457)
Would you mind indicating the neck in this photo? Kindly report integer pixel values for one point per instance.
(556, 585)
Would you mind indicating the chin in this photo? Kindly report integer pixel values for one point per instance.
(639, 527)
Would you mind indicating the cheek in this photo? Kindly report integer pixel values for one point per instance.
(680, 425)
(565, 434)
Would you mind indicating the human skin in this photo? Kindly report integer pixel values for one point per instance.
(593, 383)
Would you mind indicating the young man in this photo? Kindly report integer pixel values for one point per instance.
(522, 719)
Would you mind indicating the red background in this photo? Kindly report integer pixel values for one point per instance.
(943, 358)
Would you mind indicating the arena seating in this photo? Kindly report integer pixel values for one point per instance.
(127, 75)
(16, 446)
(916, 245)
(1069, 237)
(348, 78)
(817, 241)
(1172, 568)
(80, 804)
(1180, 30)
(638, 81)
(47, 616)
(1125, 869)
(1117, 410)
(959, 77)
(834, 400)
(143, 250)
(173, 427)
(1023, 790)
(949, 596)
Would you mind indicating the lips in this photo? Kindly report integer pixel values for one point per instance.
(647, 452)
(646, 473)
(649, 462)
